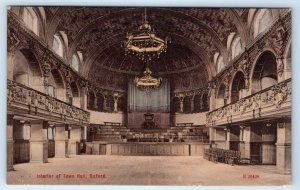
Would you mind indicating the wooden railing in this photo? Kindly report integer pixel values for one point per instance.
(22, 98)
(268, 102)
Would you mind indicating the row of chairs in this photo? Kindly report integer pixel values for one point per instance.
(221, 155)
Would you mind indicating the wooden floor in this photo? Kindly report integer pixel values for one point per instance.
(143, 170)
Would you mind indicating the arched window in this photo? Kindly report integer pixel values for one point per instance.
(57, 46)
(218, 60)
(262, 21)
(236, 47)
(30, 19)
(220, 63)
(75, 62)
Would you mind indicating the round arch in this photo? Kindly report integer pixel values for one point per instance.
(60, 84)
(237, 87)
(75, 99)
(221, 98)
(197, 103)
(26, 69)
(100, 102)
(91, 100)
(122, 104)
(264, 72)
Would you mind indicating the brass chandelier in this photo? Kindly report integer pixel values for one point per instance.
(146, 46)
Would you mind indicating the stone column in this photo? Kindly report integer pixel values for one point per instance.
(181, 104)
(268, 144)
(227, 143)
(85, 133)
(245, 139)
(61, 141)
(10, 144)
(75, 136)
(212, 135)
(115, 104)
(283, 147)
(220, 137)
(212, 99)
(38, 141)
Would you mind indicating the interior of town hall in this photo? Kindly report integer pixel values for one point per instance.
(149, 95)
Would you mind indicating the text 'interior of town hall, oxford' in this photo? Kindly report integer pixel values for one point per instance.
(149, 95)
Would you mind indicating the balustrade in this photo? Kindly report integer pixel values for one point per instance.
(270, 101)
(21, 97)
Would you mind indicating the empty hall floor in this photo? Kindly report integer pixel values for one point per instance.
(143, 170)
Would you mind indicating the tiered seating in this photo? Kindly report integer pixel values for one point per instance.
(115, 132)
(221, 155)
(108, 132)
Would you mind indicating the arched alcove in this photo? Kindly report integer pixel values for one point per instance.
(21, 72)
(265, 72)
(75, 100)
(221, 98)
(91, 100)
(27, 71)
(109, 103)
(238, 87)
(197, 103)
(187, 104)
(59, 84)
(100, 102)
(122, 104)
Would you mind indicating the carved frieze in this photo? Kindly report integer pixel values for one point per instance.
(34, 101)
(270, 99)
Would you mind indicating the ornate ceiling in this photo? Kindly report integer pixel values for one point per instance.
(196, 34)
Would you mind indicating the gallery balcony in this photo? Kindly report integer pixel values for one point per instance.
(272, 102)
(30, 103)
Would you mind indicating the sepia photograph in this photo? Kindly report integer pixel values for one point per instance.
(185, 96)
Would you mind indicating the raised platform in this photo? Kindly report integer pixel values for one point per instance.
(146, 148)
(121, 133)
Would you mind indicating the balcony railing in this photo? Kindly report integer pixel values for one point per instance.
(270, 102)
(21, 97)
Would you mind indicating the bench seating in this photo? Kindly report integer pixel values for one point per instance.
(112, 124)
(221, 155)
(184, 124)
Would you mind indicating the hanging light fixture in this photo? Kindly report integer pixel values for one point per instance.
(146, 46)
(147, 81)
